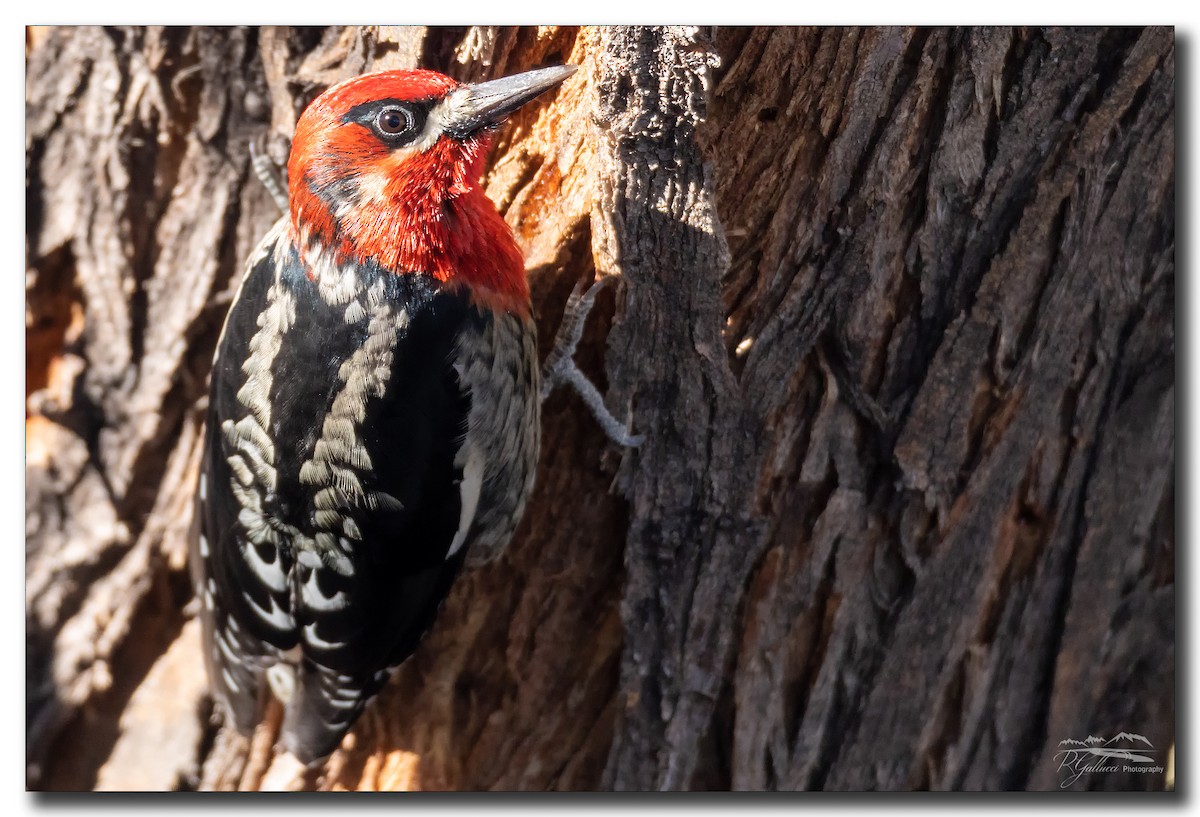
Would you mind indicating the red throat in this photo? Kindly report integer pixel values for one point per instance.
(411, 211)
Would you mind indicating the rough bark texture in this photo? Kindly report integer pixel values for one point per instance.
(896, 322)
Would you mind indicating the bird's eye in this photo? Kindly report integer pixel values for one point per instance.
(393, 121)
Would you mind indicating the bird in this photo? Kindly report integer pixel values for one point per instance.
(374, 403)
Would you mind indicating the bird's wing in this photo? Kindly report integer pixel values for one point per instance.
(240, 584)
(353, 458)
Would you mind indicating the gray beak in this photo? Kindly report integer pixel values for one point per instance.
(475, 107)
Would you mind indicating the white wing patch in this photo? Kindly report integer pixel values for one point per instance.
(469, 488)
(311, 637)
(276, 617)
(314, 599)
(269, 573)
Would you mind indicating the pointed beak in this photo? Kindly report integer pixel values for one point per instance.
(474, 107)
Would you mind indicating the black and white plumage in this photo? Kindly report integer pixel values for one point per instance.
(374, 431)
(374, 407)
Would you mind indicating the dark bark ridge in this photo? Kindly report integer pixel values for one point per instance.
(928, 330)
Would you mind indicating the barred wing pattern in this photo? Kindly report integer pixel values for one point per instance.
(367, 441)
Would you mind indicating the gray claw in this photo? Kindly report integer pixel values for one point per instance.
(560, 365)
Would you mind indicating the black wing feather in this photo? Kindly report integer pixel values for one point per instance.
(364, 620)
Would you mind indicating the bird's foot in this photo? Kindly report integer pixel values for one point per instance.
(268, 173)
(561, 368)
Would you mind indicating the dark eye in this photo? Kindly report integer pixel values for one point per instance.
(393, 121)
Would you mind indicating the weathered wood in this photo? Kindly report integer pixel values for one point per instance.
(692, 537)
(135, 205)
(896, 320)
(973, 221)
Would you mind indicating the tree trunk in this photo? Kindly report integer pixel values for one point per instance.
(896, 322)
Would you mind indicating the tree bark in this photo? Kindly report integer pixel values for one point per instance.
(896, 322)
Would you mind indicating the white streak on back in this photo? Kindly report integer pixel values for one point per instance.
(469, 488)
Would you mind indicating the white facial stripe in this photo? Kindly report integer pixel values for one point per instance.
(435, 124)
(372, 186)
(428, 138)
(439, 116)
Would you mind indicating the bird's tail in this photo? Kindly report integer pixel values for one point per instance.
(322, 707)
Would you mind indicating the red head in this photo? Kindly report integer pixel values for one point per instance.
(385, 167)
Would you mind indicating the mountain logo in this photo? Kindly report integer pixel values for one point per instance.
(1125, 751)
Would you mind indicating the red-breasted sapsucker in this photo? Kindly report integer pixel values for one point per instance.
(373, 417)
